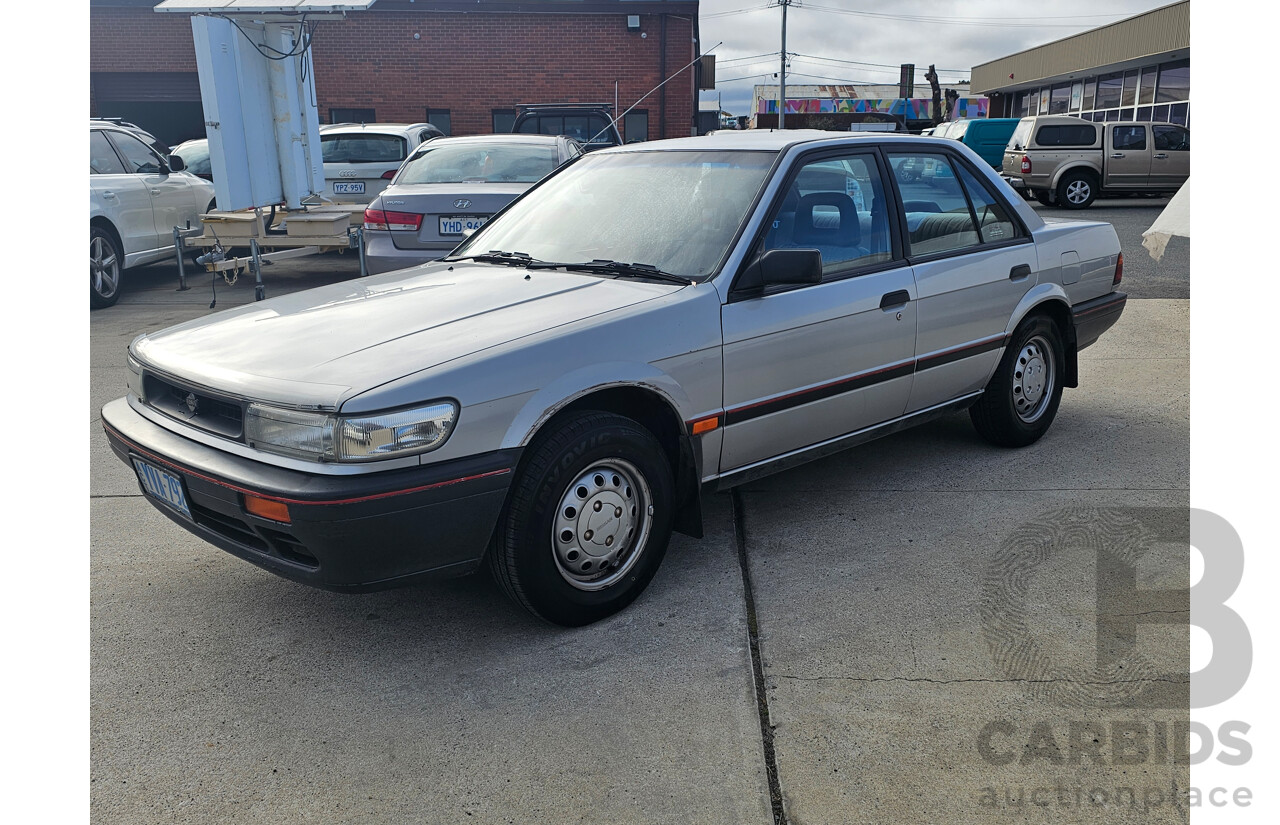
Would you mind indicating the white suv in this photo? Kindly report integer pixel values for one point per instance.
(360, 159)
(136, 198)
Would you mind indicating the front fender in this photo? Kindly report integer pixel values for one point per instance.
(571, 386)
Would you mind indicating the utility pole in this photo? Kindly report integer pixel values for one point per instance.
(782, 74)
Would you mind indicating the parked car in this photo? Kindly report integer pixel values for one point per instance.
(1068, 161)
(137, 131)
(590, 124)
(195, 154)
(448, 188)
(136, 198)
(360, 159)
(646, 323)
(986, 136)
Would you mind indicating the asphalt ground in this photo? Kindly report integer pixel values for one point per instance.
(925, 629)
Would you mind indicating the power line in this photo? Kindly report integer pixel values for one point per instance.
(732, 12)
(864, 63)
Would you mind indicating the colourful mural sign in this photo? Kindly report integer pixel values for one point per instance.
(914, 108)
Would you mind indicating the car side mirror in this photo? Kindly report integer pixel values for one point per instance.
(780, 266)
(175, 163)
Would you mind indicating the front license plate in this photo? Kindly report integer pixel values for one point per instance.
(457, 224)
(162, 485)
(348, 188)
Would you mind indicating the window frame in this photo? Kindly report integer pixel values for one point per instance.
(124, 166)
(1022, 235)
(113, 136)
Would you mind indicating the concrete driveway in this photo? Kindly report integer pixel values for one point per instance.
(922, 630)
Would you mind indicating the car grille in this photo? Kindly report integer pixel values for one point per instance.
(195, 407)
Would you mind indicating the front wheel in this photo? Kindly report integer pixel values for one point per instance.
(587, 521)
(1022, 398)
(105, 265)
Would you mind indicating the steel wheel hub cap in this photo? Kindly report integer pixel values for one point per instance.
(601, 525)
(1032, 379)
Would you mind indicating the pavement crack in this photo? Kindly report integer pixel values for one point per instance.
(757, 665)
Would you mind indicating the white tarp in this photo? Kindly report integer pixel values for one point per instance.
(1174, 220)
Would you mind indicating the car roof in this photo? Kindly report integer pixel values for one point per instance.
(512, 137)
(767, 140)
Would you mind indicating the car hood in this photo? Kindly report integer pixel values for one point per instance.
(320, 347)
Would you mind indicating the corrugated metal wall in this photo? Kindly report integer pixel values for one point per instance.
(1160, 30)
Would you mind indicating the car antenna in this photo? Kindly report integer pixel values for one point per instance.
(614, 122)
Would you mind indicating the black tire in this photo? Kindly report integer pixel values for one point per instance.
(1017, 406)
(106, 265)
(614, 460)
(1077, 190)
(1045, 196)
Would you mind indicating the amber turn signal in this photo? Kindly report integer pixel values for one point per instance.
(705, 425)
(266, 508)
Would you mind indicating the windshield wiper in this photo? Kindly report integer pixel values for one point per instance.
(615, 268)
(496, 256)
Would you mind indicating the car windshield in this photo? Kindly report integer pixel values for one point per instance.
(362, 148)
(676, 211)
(480, 163)
(1018, 140)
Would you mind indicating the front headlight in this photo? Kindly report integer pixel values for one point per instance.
(327, 437)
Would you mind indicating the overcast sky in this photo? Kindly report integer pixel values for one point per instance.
(955, 36)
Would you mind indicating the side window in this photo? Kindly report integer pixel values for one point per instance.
(102, 158)
(1171, 138)
(1129, 138)
(994, 223)
(838, 207)
(937, 211)
(1066, 135)
(138, 156)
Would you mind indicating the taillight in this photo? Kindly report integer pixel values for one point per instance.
(382, 219)
(389, 174)
(1026, 165)
(1119, 270)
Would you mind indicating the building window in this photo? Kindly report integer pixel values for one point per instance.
(635, 126)
(439, 118)
(1130, 90)
(1060, 99)
(1090, 89)
(1044, 101)
(1180, 113)
(1175, 82)
(504, 121)
(1109, 90)
(1147, 87)
(1077, 93)
(352, 116)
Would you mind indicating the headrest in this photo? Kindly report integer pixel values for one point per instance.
(847, 233)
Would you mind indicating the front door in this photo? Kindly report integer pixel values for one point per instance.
(812, 363)
(1127, 164)
(1171, 163)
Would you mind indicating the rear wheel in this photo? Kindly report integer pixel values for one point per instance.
(1022, 398)
(1077, 190)
(105, 265)
(588, 519)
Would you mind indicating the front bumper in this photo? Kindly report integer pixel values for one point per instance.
(353, 533)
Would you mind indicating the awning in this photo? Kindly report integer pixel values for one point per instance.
(1174, 220)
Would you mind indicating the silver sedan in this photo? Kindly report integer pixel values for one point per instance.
(648, 323)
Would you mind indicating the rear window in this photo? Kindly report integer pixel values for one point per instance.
(480, 163)
(1018, 140)
(362, 148)
(1067, 135)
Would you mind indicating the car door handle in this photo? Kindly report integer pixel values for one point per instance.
(1020, 271)
(108, 194)
(155, 191)
(1160, 156)
(1118, 155)
(895, 299)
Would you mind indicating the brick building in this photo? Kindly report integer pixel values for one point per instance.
(461, 64)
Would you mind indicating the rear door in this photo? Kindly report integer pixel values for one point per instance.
(812, 363)
(124, 196)
(1127, 164)
(973, 262)
(1171, 161)
(359, 165)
